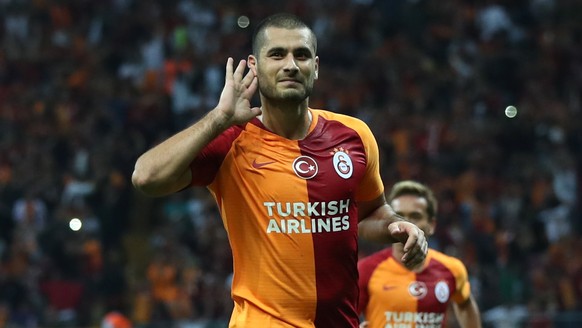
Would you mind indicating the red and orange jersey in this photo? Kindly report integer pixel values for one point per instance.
(393, 296)
(289, 208)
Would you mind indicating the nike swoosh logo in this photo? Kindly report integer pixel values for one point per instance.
(259, 165)
(386, 287)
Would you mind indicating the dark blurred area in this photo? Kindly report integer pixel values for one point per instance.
(87, 86)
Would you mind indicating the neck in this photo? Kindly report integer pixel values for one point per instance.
(398, 251)
(290, 121)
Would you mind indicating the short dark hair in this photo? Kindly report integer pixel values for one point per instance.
(280, 20)
(409, 187)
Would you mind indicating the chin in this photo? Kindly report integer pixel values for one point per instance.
(285, 95)
(298, 95)
(290, 97)
(294, 98)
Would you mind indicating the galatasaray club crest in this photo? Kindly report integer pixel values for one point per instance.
(342, 163)
(442, 292)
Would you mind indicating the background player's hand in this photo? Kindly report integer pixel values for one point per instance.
(364, 324)
(235, 100)
(415, 244)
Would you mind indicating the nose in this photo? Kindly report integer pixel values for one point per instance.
(290, 64)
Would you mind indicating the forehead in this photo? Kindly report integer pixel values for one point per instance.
(409, 203)
(276, 37)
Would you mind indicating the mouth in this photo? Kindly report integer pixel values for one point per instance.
(290, 81)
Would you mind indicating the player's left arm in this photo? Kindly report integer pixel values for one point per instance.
(379, 223)
(467, 313)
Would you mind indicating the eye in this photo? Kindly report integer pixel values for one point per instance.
(276, 54)
(412, 217)
(302, 55)
(415, 217)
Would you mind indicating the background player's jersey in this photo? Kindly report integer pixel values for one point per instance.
(393, 296)
(289, 207)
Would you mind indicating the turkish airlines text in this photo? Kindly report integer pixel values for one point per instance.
(310, 217)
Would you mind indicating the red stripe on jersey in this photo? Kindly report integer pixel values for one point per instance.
(336, 252)
(435, 273)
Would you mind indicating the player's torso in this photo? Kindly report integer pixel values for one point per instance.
(401, 298)
(289, 209)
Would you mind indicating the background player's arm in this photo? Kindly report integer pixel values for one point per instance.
(379, 223)
(165, 168)
(467, 313)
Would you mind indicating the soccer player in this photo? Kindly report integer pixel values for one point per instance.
(294, 185)
(394, 295)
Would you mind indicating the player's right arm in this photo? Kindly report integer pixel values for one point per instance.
(165, 168)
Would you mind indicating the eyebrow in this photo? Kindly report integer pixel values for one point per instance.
(409, 213)
(275, 49)
(283, 49)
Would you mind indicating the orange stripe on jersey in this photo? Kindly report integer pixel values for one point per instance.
(391, 295)
(289, 208)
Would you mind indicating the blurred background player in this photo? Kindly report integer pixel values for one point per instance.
(391, 294)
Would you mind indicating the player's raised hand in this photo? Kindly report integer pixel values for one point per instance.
(235, 100)
(414, 240)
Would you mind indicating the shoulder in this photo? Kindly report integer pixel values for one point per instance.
(349, 122)
(452, 263)
(222, 143)
(376, 258)
(341, 118)
(368, 265)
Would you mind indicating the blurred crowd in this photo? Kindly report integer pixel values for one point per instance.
(87, 86)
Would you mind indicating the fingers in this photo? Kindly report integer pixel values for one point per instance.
(239, 88)
(411, 242)
(415, 248)
(246, 84)
(248, 79)
(412, 259)
(251, 87)
(228, 74)
(237, 75)
(240, 68)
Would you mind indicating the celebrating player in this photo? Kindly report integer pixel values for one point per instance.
(294, 185)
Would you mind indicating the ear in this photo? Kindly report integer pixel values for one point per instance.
(316, 67)
(252, 64)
